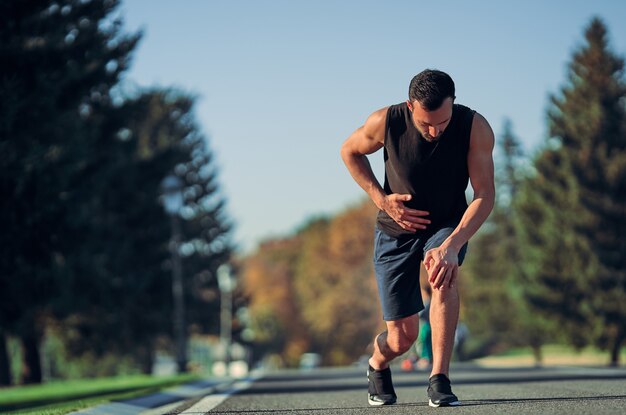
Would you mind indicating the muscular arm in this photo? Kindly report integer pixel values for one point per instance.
(366, 140)
(442, 262)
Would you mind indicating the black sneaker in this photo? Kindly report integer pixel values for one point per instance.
(380, 388)
(440, 392)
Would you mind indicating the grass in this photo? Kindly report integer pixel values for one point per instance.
(61, 397)
(553, 355)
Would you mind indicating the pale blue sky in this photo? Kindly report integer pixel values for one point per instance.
(283, 83)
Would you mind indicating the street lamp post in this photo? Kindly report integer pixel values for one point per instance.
(173, 201)
(226, 285)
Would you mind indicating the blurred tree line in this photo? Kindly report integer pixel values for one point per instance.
(315, 291)
(549, 265)
(85, 239)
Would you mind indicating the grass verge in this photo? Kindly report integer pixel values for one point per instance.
(552, 355)
(61, 397)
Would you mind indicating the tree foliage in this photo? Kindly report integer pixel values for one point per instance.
(85, 241)
(58, 60)
(315, 291)
(129, 231)
(573, 209)
(493, 302)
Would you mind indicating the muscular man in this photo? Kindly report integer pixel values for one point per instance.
(432, 149)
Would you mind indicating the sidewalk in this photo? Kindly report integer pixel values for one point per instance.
(160, 402)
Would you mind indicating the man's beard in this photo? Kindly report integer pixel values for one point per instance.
(429, 137)
(425, 134)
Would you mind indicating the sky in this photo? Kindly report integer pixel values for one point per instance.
(282, 83)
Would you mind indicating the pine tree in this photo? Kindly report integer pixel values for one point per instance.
(492, 266)
(574, 208)
(125, 305)
(58, 59)
(116, 296)
(589, 119)
(206, 227)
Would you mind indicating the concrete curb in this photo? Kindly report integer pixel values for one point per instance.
(161, 402)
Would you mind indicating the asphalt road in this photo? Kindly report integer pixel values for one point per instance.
(563, 390)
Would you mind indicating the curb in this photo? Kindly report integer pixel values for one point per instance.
(160, 402)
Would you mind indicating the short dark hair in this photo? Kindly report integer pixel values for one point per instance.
(430, 88)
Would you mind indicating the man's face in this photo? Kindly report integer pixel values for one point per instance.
(431, 124)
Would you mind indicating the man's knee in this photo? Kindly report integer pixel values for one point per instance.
(401, 341)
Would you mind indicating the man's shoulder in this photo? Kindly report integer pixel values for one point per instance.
(482, 135)
(399, 108)
(397, 112)
(463, 117)
(464, 110)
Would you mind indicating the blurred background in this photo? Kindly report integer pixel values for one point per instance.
(173, 200)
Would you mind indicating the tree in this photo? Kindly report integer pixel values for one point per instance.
(126, 303)
(573, 210)
(57, 60)
(116, 297)
(490, 275)
(206, 227)
(335, 284)
(84, 239)
(5, 366)
(589, 120)
(268, 280)
(315, 291)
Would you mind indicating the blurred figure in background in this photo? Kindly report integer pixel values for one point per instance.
(425, 335)
(460, 336)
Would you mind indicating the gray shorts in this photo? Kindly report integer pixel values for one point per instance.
(397, 267)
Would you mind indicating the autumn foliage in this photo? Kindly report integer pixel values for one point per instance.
(315, 291)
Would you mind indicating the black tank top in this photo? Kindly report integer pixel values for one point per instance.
(434, 173)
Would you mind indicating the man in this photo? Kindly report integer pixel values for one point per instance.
(432, 148)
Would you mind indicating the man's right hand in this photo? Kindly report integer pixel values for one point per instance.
(409, 219)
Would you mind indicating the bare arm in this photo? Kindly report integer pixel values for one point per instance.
(442, 262)
(368, 139)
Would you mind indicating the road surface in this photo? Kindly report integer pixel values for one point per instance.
(558, 390)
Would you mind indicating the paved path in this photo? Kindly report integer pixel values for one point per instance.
(564, 390)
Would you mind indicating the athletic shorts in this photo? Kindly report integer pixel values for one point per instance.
(397, 268)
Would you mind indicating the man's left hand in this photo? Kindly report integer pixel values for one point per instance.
(442, 265)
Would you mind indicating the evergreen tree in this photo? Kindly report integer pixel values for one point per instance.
(573, 212)
(509, 175)
(589, 120)
(58, 58)
(525, 328)
(489, 275)
(5, 365)
(125, 305)
(84, 237)
(206, 228)
(116, 298)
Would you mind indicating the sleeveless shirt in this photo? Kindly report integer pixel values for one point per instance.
(434, 173)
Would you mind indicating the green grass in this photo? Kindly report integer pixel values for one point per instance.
(552, 354)
(61, 397)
